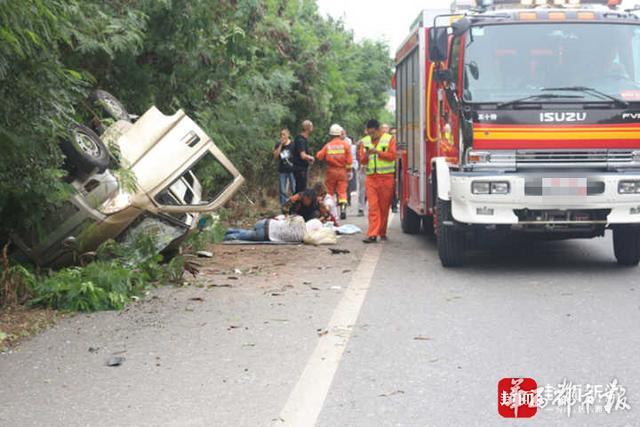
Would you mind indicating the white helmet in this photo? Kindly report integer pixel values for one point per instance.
(335, 130)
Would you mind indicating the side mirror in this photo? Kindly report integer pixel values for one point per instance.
(438, 44)
(460, 26)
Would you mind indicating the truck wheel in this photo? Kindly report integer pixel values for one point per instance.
(110, 105)
(84, 150)
(626, 245)
(410, 221)
(427, 225)
(451, 241)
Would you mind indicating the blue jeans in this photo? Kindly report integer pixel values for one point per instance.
(258, 234)
(286, 177)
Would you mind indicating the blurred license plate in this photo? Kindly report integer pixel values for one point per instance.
(564, 186)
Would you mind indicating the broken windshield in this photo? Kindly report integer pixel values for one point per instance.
(507, 62)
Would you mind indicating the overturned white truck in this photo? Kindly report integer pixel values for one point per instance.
(172, 172)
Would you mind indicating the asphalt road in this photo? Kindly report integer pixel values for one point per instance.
(427, 346)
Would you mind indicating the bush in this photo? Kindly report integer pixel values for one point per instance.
(98, 286)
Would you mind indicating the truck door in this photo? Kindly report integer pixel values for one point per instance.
(449, 104)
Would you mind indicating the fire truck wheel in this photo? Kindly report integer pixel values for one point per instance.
(410, 221)
(427, 225)
(451, 241)
(626, 245)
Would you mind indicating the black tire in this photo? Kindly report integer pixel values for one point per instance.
(410, 221)
(427, 225)
(110, 105)
(84, 150)
(626, 245)
(451, 240)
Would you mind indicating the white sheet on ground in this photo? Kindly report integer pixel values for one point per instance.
(348, 229)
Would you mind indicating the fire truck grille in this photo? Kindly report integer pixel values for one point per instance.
(574, 158)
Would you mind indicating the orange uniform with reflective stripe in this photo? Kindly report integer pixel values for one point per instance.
(337, 154)
(379, 190)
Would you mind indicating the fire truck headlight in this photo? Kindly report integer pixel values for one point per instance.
(499, 188)
(480, 187)
(489, 187)
(629, 187)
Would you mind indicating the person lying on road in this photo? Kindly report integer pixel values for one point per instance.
(281, 229)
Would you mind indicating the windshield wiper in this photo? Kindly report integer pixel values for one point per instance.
(532, 97)
(620, 102)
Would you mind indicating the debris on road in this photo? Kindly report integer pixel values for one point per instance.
(199, 299)
(322, 332)
(335, 251)
(392, 393)
(204, 254)
(323, 236)
(348, 229)
(115, 361)
(214, 285)
(421, 338)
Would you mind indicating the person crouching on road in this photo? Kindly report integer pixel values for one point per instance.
(307, 205)
(378, 155)
(337, 154)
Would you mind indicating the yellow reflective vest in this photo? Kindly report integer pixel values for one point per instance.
(377, 165)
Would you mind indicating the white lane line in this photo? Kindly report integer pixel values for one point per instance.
(307, 398)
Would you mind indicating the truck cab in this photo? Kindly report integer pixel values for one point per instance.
(529, 121)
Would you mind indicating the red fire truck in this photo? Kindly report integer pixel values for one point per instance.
(521, 117)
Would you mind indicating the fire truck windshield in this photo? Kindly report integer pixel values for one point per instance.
(507, 62)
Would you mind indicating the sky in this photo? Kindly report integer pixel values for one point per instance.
(384, 19)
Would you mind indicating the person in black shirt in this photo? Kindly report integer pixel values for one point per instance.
(284, 151)
(302, 159)
(308, 205)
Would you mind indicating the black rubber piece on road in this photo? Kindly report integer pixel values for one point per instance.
(626, 245)
(451, 240)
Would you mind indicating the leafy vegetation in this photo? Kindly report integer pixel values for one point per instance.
(242, 68)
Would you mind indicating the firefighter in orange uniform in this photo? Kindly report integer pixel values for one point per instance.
(337, 154)
(378, 155)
